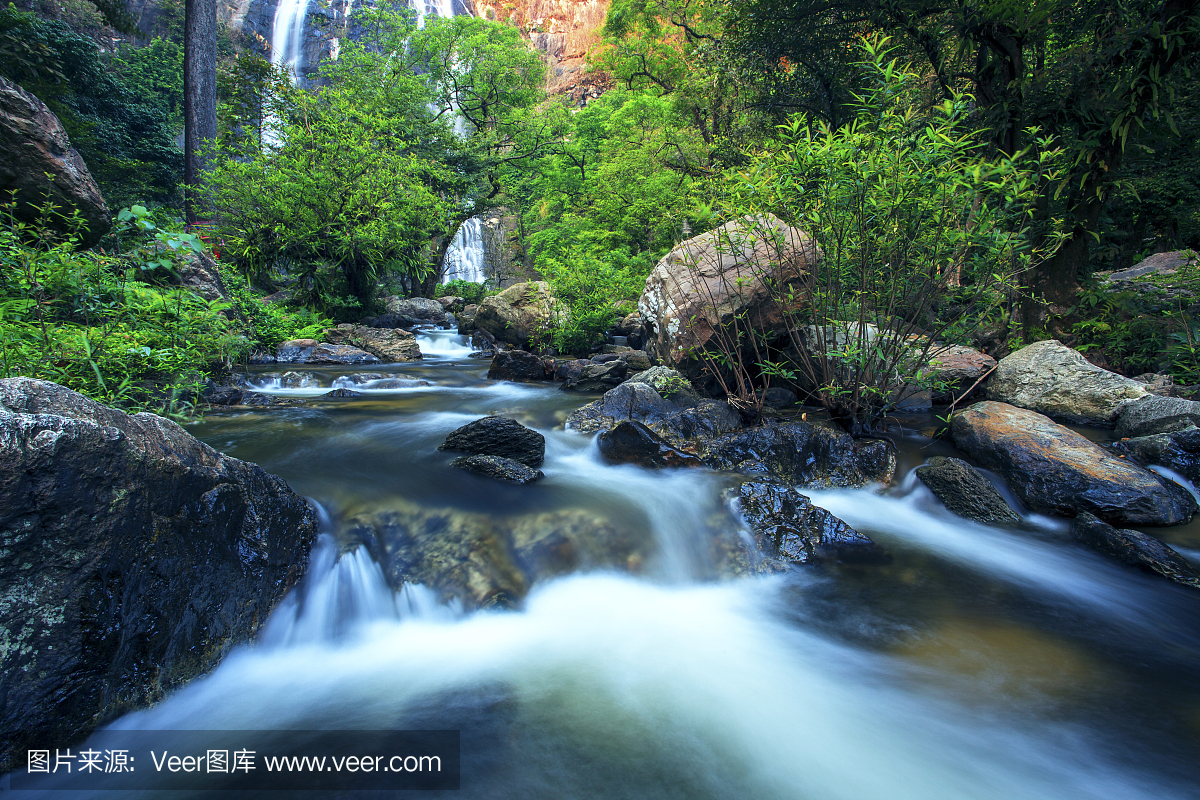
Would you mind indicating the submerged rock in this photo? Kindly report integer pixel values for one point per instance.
(340, 393)
(503, 469)
(803, 454)
(1057, 471)
(966, 491)
(133, 558)
(1136, 549)
(498, 436)
(1052, 379)
(632, 442)
(788, 526)
(518, 365)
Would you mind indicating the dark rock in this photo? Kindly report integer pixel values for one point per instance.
(638, 360)
(133, 558)
(451, 304)
(309, 351)
(261, 399)
(630, 400)
(953, 369)
(218, 395)
(803, 454)
(413, 312)
(633, 443)
(338, 393)
(1057, 471)
(1178, 450)
(1134, 548)
(198, 272)
(592, 377)
(503, 469)
(570, 370)
(704, 420)
(1157, 383)
(786, 525)
(604, 358)
(34, 144)
(1154, 414)
(778, 397)
(517, 365)
(497, 436)
(669, 383)
(466, 319)
(261, 357)
(966, 491)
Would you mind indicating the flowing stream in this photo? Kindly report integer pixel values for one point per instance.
(980, 663)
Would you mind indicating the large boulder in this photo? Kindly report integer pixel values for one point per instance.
(38, 163)
(1052, 379)
(310, 351)
(1057, 471)
(632, 442)
(953, 369)
(389, 345)
(1178, 450)
(198, 272)
(966, 491)
(789, 527)
(740, 268)
(681, 419)
(803, 454)
(1134, 548)
(518, 365)
(520, 313)
(592, 377)
(411, 312)
(631, 400)
(498, 436)
(1158, 264)
(132, 558)
(466, 319)
(1153, 414)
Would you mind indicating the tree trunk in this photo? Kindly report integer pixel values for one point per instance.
(199, 97)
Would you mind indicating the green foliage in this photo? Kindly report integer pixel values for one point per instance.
(155, 74)
(128, 145)
(468, 291)
(598, 292)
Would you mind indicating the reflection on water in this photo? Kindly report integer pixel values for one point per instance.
(979, 663)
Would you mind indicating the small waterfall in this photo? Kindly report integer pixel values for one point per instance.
(464, 257)
(287, 32)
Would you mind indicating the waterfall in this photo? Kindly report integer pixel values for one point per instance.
(286, 33)
(464, 257)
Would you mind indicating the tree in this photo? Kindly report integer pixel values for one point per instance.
(199, 96)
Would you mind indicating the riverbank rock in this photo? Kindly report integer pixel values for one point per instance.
(1157, 264)
(966, 491)
(593, 377)
(198, 272)
(310, 351)
(632, 442)
(520, 366)
(411, 312)
(1057, 471)
(1178, 451)
(38, 163)
(737, 269)
(786, 525)
(451, 304)
(132, 558)
(466, 319)
(802, 454)
(1134, 548)
(953, 369)
(519, 313)
(1052, 379)
(389, 345)
(498, 436)
(1153, 414)
(502, 469)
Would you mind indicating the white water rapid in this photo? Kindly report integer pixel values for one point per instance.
(464, 257)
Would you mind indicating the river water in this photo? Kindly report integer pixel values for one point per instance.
(979, 663)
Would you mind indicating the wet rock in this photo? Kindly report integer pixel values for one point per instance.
(1052, 379)
(802, 454)
(966, 491)
(341, 393)
(297, 380)
(497, 436)
(632, 442)
(631, 400)
(704, 420)
(559, 542)
(786, 525)
(198, 272)
(736, 270)
(1057, 471)
(570, 370)
(218, 395)
(1134, 548)
(1178, 450)
(604, 358)
(309, 351)
(451, 304)
(36, 159)
(261, 399)
(953, 369)
(669, 383)
(596, 377)
(778, 397)
(389, 345)
(466, 319)
(518, 365)
(409, 313)
(398, 383)
(1153, 414)
(259, 357)
(503, 469)
(519, 312)
(637, 360)
(134, 557)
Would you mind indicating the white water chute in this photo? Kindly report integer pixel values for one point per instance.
(464, 257)
(287, 32)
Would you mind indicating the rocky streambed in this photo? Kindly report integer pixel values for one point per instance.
(681, 607)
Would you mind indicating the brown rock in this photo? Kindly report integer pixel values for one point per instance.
(389, 345)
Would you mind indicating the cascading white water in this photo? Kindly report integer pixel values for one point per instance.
(464, 257)
(287, 32)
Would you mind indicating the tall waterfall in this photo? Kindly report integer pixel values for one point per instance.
(287, 32)
(464, 257)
